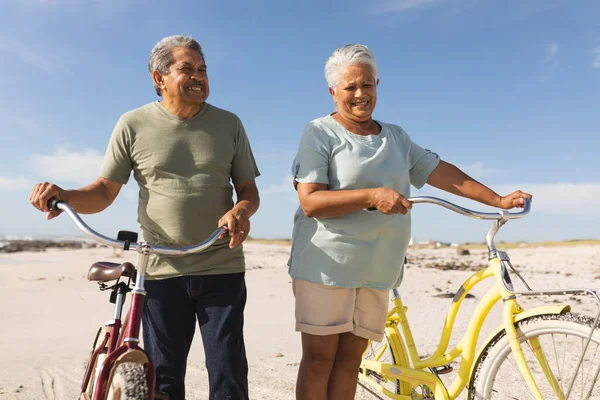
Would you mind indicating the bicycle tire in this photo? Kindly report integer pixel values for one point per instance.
(128, 382)
(390, 356)
(496, 376)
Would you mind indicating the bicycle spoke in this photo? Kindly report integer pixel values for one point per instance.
(557, 364)
(524, 388)
(542, 340)
(592, 363)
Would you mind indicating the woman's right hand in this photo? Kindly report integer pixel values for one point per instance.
(389, 202)
(41, 193)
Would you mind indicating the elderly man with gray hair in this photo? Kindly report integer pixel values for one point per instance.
(185, 155)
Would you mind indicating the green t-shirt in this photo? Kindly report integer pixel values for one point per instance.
(183, 168)
(363, 248)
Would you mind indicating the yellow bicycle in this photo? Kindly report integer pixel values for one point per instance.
(541, 353)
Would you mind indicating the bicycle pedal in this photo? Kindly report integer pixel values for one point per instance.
(444, 369)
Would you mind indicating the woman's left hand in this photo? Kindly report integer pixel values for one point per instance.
(515, 199)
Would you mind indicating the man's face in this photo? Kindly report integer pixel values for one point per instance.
(187, 81)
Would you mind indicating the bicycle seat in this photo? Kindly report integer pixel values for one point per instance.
(104, 271)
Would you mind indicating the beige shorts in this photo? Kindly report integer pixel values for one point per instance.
(327, 310)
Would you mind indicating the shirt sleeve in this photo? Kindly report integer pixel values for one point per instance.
(243, 165)
(422, 163)
(311, 164)
(117, 165)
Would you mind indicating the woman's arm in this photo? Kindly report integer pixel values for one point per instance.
(317, 201)
(449, 178)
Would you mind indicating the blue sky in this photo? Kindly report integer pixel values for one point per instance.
(507, 90)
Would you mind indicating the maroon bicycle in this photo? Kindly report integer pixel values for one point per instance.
(118, 367)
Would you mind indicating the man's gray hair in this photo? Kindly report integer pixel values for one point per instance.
(351, 54)
(161, 56)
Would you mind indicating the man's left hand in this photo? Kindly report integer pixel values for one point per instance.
(237, 223)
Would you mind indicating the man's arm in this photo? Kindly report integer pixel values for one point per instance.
(87, 200)
(237, 219)
(451, 179)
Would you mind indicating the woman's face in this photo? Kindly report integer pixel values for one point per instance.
(355, 93)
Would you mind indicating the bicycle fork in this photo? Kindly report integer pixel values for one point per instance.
(511, 308)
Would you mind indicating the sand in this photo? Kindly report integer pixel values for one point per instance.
(50, 312)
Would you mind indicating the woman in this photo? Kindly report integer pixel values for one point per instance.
(351, 232)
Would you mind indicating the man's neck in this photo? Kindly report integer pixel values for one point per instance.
(184, 111)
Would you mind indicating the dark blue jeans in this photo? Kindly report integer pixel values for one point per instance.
(171, 310)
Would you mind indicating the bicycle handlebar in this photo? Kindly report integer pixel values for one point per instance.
(501, 215)
(55, 204)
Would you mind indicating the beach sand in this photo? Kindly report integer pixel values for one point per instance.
(49, 312)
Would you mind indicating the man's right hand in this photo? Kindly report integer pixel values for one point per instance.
(41, 193)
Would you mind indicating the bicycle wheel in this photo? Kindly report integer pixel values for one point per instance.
(384, 353)
(562, 338)
(128, 383)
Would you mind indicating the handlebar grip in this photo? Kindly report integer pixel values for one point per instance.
(53, 203)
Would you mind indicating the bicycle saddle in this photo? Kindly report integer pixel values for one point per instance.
(104, 271)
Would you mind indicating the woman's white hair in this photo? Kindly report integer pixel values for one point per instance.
(351, 54)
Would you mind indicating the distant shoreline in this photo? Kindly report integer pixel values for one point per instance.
(35, 245)
(17, 246)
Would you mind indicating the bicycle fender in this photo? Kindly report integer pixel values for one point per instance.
(532, 312)
(133, 355)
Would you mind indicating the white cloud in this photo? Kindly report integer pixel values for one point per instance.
(28, 54)
(403, 5)
(548, 198)
(32, 3)
(477, 170)
(15, 184)
(561, 198)
(286, 186)
(65, 165)
(596, 62)
(103, 6)
(551, 50)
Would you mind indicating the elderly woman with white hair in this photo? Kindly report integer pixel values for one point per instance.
(351, 231)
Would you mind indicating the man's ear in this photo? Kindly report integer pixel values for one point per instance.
(158, 79)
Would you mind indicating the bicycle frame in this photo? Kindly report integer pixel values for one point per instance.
(403, 346)
(124, 348)
(466, 347)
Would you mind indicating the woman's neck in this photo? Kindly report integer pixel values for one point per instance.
(362, 128)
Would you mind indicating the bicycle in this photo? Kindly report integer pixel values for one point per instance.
(118, 368)
(518, 360)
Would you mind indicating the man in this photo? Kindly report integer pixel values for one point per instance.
(183, 153)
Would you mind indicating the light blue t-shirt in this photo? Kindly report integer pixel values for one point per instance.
(363, 248)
